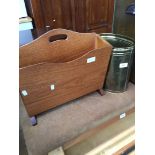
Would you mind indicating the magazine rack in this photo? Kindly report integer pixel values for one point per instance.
(59, 66)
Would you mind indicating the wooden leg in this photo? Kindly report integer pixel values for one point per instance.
(101, 92)
(33, 120)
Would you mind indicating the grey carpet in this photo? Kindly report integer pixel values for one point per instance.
(22, 145)
(65, 122)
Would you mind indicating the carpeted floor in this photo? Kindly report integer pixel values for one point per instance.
(65, 122)
(22, 146)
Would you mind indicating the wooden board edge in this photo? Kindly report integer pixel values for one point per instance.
(123, 149)
(57, 151)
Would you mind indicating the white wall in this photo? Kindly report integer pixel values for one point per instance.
(22, 9)
(23, 13)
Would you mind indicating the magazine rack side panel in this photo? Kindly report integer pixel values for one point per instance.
(57, 45)
(69, 81)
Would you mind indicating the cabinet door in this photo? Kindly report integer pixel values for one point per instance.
(93, 15)
(99, 15)
(78, 15)
(51, 14)
(57, 13)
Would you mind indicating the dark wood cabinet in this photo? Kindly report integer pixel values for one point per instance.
(77, 15)
(50, 14)
(97, 15)
(57, 13)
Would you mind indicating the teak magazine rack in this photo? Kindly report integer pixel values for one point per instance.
(59, 66)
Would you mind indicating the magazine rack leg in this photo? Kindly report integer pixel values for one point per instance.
(101, 92)
(33, 120)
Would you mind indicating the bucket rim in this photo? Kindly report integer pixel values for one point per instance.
(122, 37)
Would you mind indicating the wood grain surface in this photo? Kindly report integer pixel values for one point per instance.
(77, 15)
(64, 65)
(42, 50)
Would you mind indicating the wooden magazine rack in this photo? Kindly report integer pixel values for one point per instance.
(59, 66)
